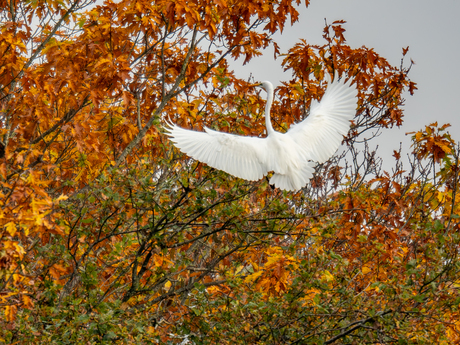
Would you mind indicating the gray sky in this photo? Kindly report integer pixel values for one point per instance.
(429, 28)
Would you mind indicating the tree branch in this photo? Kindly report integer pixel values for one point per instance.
(358, 324)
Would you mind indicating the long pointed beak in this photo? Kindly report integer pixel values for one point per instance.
(255, 85)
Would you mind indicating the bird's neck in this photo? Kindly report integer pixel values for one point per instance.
(268, 106)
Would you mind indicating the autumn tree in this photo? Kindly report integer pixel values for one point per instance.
(109, 233)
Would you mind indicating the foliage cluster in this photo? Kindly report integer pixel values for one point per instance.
(109, 234)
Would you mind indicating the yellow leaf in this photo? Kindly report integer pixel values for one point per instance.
(327, 276)
(79, 175)
(19, 249)
(61, 197)
(365, 270)
(212, 289)
(158, 260)
(273, 259)
(28, 303)
(253, 276)
(311, 293)
(440, 197)
(445, 148)
(239, 269)
(11, 228)
(10, 312)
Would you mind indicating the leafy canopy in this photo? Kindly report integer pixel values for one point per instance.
(109, 234)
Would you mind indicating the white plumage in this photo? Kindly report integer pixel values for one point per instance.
(292, 156)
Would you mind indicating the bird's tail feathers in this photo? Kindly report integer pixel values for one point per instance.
(296, 180)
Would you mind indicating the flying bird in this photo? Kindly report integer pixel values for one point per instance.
(292, 156)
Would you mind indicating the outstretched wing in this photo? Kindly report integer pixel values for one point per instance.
(321, 133)
(243, 157)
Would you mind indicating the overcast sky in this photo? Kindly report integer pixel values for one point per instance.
(429, 28)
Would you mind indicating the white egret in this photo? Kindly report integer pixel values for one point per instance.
(292, 156)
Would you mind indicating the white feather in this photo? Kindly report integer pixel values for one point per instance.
(223, 151)
(291, 156)
(321, 133)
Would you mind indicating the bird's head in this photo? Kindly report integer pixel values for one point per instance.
(266, 85)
